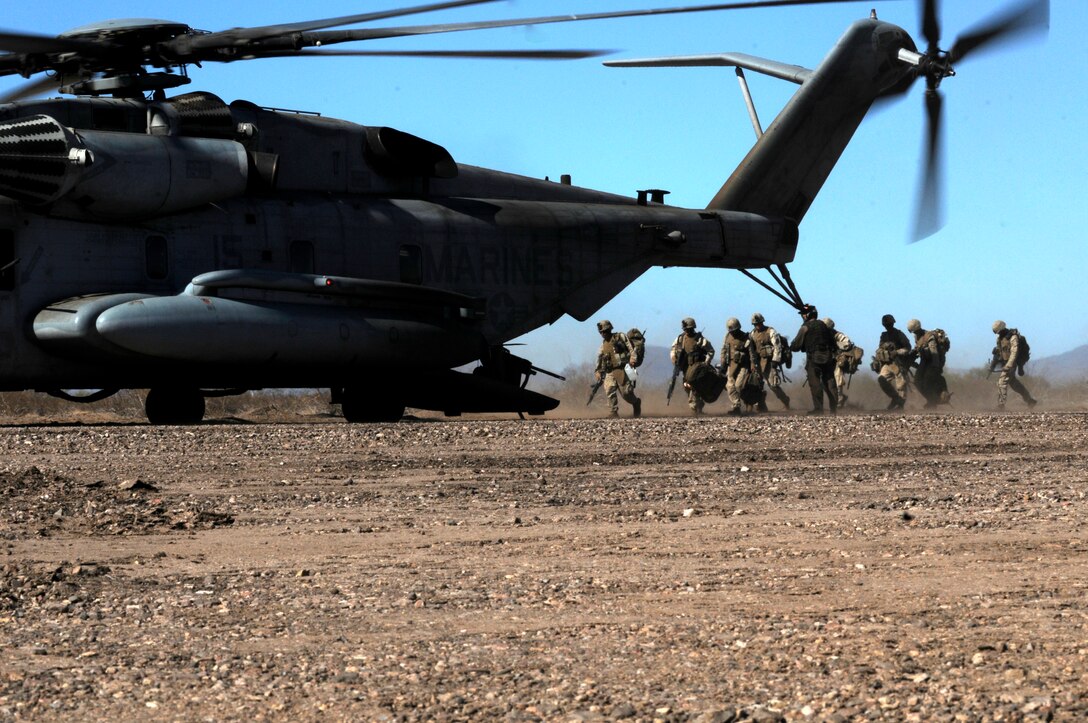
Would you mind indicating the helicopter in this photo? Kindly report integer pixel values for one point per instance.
(196, 248)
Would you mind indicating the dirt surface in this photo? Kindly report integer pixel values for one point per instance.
(903, 567)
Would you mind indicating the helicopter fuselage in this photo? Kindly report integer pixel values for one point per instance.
(304, 195)
(188, 243)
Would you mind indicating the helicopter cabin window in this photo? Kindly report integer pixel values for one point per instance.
(411, 265)
(301, 256)
(7, 260)
(156, 257)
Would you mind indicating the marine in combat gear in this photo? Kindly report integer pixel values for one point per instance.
(689, 349)
(1008, 357)
(818, 343)
(846, 359)
(892, 362)
(615, 353)
(929, 352)
(737, 363)
(767, 346)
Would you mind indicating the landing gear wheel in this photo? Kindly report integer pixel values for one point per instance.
(174, 406)
(360, 405)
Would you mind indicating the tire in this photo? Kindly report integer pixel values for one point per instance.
(174, 406)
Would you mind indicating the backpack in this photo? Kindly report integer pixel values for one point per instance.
(851, 359)
(638, 342)
(943, 342)
(706, 381)
(787, 355)
(1023, 351)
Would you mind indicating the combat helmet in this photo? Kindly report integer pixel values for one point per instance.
(887, 319)
(732, 323)
(757, 318)
(687, 323)
(829, 322)
(604, 325)
(913, 325)
(999, 326)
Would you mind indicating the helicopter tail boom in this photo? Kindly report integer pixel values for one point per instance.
(790, 162)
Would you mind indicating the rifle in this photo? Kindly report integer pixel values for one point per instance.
(593, 389)
(672, 382)
(992, 366)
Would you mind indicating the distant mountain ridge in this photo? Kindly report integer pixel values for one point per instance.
(1070, 366)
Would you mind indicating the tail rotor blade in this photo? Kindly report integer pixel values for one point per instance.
(929, 214)
(1030, 16)
(931, 26)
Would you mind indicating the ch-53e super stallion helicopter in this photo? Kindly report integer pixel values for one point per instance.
(193, 247)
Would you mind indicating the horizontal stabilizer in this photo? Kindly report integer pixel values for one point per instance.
(773, 68)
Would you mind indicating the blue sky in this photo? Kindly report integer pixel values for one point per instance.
(1017, 189)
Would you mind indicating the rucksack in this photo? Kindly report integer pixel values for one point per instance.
(943, 342)
(706, 381)
(638, 343)
(1023, 350)
(851, 359)
(787, 355)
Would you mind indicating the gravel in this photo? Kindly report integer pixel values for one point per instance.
(913, 567)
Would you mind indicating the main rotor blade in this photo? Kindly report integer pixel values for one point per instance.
(16, 42)
(343, 36)
(31, 89)
(931, 25)
(236, 36)
(1029, 16)
(483, 54)
(929, 214)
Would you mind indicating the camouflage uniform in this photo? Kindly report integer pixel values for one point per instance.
(843, 352)
(737, 363)
(690, 348)
(1005, 353)
(892, 357)
(767, 348)
(615, 352)
(930, 352)
(818, 343)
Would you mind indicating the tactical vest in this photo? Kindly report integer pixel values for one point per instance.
(1004, 347)
(736, 348)
(692, 348)
(761, 340)
(890, 344)
(819, 342)
(613, 353)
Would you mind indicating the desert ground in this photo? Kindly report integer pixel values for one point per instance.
(772, 567)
